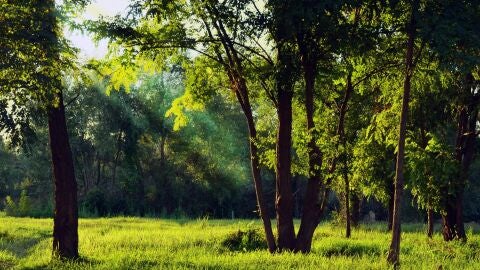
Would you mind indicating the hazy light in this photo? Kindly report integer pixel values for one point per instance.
(83, 41)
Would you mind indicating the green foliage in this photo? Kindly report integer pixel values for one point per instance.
(430, 172)
(10, 207)
(21, 209)
(249, 240)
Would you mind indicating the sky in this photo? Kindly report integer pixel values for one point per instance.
(88, 49)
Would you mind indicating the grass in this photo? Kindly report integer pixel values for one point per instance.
(143, 243)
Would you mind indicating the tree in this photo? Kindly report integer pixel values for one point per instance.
(394, 251)
(33, 40)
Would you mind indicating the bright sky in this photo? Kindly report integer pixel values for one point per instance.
(83, 41)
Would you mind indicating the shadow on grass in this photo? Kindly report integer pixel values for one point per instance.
(20, 245)
(350, 250)
(55, 263)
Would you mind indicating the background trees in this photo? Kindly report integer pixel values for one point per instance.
(320, 104)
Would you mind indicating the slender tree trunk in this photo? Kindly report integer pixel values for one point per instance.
(312, 203)
(394, 251)
(430, 222)
(65, 228)
(348, 230)
(99, 170)
(116, 158)
(255, 166)
(234, 68)
(355, 209)
(341, 133)
(391, 202)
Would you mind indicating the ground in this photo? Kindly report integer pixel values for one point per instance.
(145, 243)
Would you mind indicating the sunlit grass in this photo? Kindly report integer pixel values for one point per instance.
(140, 243)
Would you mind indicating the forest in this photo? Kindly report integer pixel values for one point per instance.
(227, 134)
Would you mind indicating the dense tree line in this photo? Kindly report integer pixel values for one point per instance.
(318, 99)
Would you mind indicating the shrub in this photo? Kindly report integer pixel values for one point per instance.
(22, 209)
(10, 207)
(24, 205)
(249, 240)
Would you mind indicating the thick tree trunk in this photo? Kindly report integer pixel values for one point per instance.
(65, 229)
(284, 196)
(453, 225)
(459, 225)
(430, 222)
(394, 250)
(449, 219)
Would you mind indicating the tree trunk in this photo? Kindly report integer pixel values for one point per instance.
(394, 250)
(312, 203)
(391, 202)
(355, 209)
(117, 157)
(453, 225)
(347, 202)
(233, 67)
(65, 229)
(243, 99)
(430, 222)
(284, 196)
(449, 219)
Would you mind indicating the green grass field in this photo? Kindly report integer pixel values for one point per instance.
(142, 243)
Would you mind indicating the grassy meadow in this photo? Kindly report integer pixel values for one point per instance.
(144, 243)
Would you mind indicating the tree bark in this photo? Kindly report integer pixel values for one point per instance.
(449, 219)
(284, 196)
(255, 167)
(453, 225)
(348, 229)
(312, 203)
(65, 229)
(234, 68)
(394, 250)
(391, 202)
(355, 209)
(430, 222)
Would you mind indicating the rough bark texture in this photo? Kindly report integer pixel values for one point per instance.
(65, 229)
(394, 250)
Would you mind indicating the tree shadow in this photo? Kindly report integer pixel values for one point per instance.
(350, 250)
(20, 246)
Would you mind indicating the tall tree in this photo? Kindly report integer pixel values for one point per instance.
(35, 31)
(411, 29)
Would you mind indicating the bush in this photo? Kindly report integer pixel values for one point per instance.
(22, 209)
(249, 240)
(24, 205)
(10, 207)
